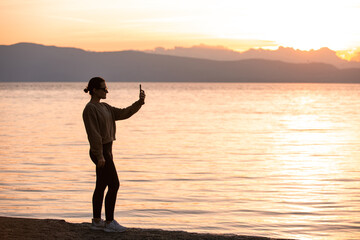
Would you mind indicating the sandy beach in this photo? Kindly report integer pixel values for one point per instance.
(26, 228)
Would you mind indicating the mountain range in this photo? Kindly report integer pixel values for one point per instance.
(38, 63)
(285, 54)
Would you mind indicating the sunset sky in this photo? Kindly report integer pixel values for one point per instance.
(111, 25)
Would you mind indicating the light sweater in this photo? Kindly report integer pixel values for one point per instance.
(99, 120)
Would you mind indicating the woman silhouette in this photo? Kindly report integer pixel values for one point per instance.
(99, 119)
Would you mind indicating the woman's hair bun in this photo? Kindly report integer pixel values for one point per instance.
(86, 90)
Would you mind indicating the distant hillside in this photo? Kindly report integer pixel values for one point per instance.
(323, 55)
(33, 62)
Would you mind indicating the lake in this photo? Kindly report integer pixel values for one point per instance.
(273, 160)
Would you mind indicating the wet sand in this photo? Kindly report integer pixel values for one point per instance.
(25, 228)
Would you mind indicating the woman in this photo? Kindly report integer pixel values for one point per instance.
(99, 119)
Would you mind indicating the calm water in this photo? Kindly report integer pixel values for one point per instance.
(277, 160)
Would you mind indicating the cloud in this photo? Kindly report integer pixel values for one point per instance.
(160, 20)
(72, 19)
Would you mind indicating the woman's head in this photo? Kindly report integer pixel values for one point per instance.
(94, 83)
(97, 88)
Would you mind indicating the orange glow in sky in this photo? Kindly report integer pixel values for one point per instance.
(111, 25)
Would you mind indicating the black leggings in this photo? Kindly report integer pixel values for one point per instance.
(105, 177)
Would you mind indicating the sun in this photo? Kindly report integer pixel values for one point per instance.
(349, 54)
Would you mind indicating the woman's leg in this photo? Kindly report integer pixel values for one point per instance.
(112, 181)
(100, 186)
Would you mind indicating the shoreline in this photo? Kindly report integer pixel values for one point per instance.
(30, 228)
